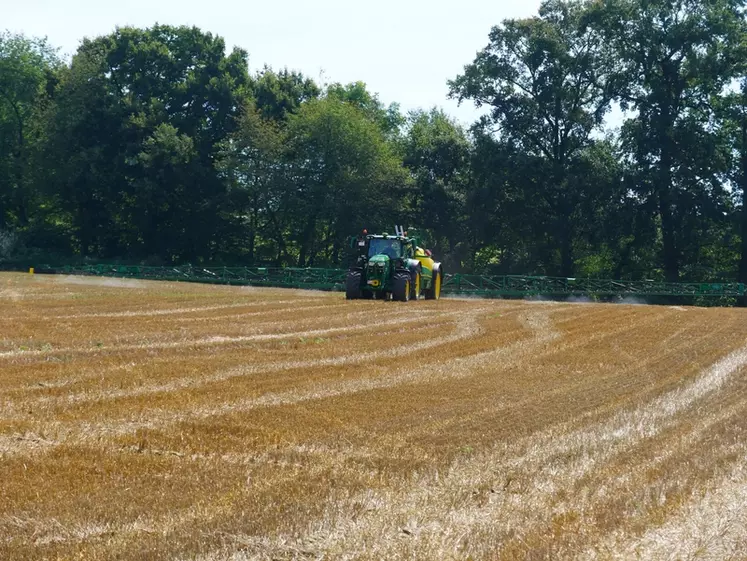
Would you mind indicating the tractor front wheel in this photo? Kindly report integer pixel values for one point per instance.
(401, 287)
(415, 285)
(353, 285)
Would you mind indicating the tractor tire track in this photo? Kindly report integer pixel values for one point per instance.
(192, 382)
(552, 458)
(466, 327)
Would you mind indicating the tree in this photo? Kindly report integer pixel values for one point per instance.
(129, 100)
(84, 165)
(437, 153)
(27, 79)
(731, 117)
(255, 163)
(671, 58)
(389, 119)
(168, 161)
(544, 80)
(280, 94)
(346, 176)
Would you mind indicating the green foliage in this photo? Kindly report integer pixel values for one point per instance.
(279, 94)
(543, 78)
(146, 111)
(671, 59)
(253, 161)
(27, 79)
(389, 119)
(345, 175)
(157, 145)
(304, 180)
(8, 246)
(436, 152)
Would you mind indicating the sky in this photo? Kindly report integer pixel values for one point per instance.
(403, 50)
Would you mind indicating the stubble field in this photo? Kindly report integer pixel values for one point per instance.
(172, 421)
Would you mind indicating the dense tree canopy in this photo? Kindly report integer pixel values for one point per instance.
(544, 79)
(671, 59)
(158, 146)
(28, 75)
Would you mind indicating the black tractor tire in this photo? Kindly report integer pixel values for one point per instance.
(353, 285)
(434, 292)
(401, 288)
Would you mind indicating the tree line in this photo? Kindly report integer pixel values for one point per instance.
(158, 146)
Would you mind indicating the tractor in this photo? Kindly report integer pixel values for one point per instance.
(392, 267)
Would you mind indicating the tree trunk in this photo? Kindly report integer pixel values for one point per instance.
(307, 241)
(3, 223)
(282, 250)
(253, 227)
(671, 260)
(566, 252)
(23, 215)
(743, 260)
(84, 221)
(85, 237)
(564, 207)
(252, 242)
(664, 195)
(336, 248)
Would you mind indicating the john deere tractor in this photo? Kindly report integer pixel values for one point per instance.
(392, 267)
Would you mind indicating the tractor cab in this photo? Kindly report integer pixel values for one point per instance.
(394, 248)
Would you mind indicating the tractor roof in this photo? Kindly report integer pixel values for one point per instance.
(387, 237)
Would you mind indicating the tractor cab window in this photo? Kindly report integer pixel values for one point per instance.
(392, 248)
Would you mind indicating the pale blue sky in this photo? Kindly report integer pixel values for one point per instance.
(404, 50)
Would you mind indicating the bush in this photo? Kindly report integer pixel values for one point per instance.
(9, 245)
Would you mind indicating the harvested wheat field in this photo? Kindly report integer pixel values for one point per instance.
(145, 420)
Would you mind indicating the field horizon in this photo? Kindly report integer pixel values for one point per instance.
(158, 420)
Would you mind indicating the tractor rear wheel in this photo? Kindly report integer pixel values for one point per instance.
(401, 288)
(353, 285)
(434, 292)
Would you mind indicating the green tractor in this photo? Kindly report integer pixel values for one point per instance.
(392, 267)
